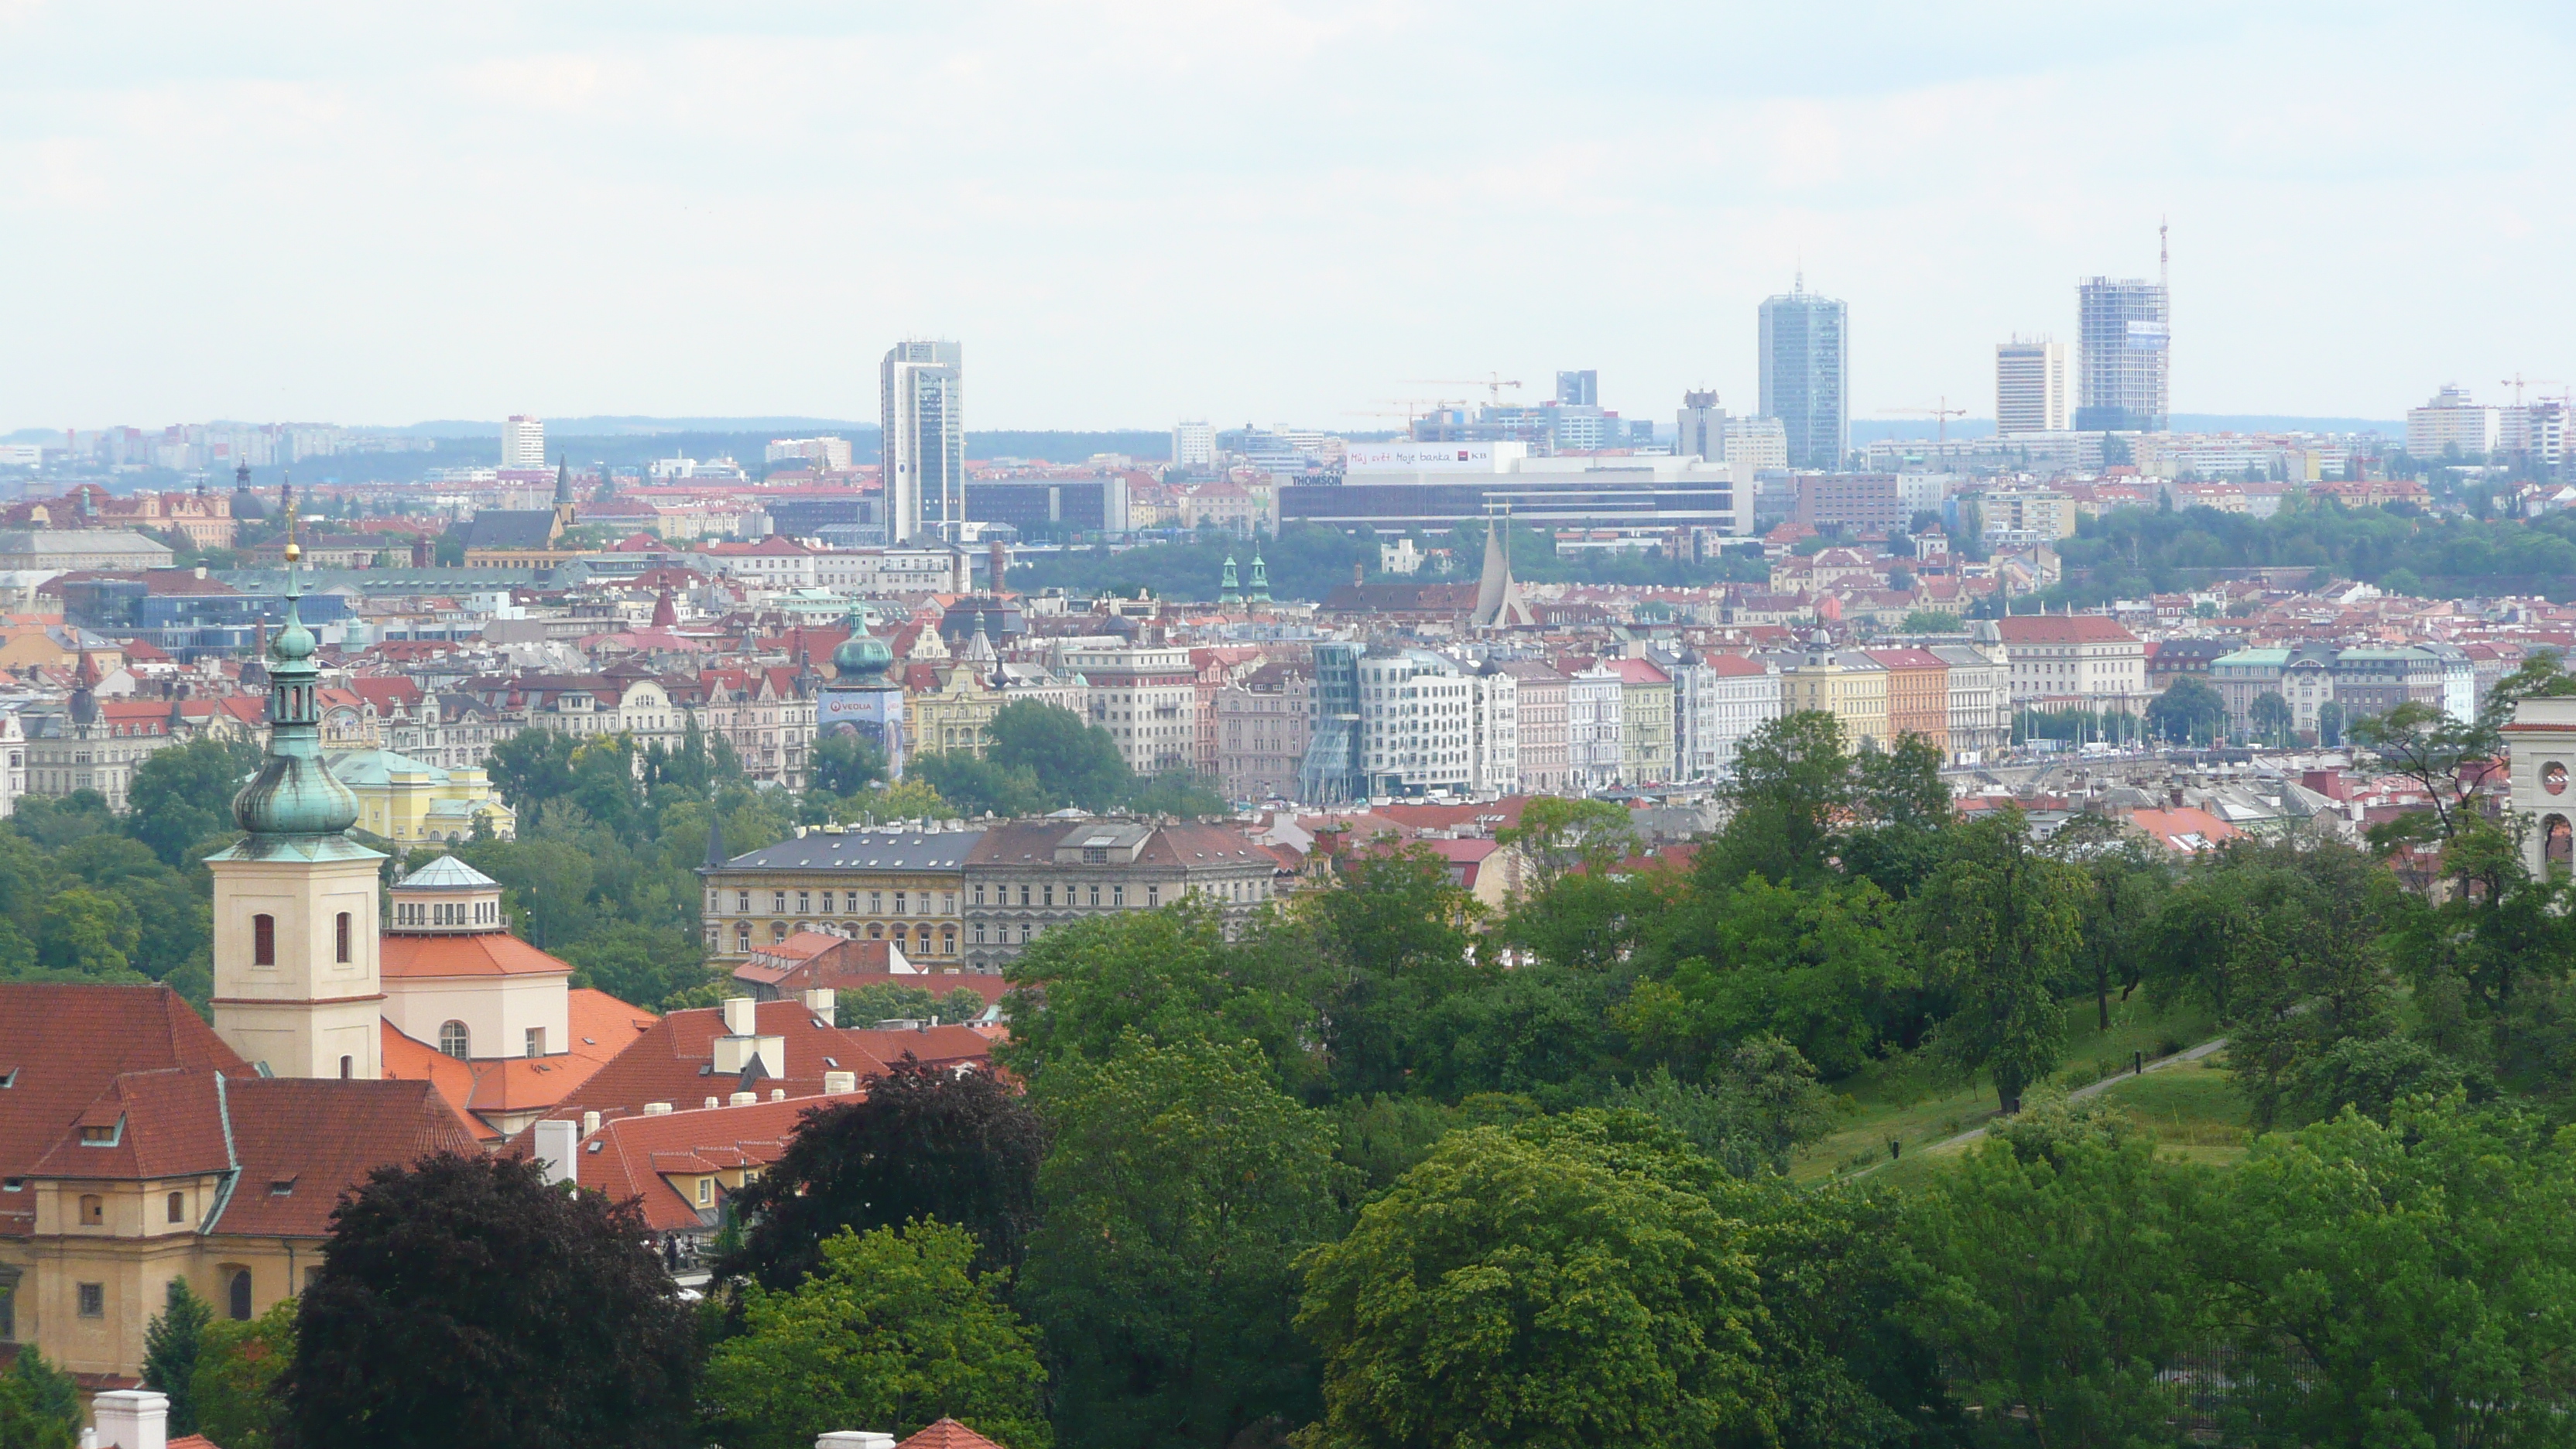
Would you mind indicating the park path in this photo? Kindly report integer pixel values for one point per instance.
(1948, 1144)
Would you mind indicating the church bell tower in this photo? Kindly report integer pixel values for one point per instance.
(297, 987)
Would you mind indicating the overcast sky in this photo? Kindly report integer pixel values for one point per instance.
(1131, 213)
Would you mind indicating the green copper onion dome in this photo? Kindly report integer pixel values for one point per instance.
(294, 793)
(862, 658)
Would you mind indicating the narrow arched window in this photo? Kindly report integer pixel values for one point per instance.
(455, 1041)
(237, 1296)
(343, 929)
(348, 1068)
(178, 1207)
(263, 940)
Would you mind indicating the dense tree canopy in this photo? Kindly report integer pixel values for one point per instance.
(462, 1301)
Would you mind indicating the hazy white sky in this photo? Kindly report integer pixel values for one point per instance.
(1133, 212)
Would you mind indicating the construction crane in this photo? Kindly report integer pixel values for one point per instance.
(1493, 383)
(2518, 382)
(1942, 416)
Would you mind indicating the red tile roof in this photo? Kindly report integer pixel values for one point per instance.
(319, 1137)
(296, 1143)
(635, 1157)
(947, 1434)
(2063, 629)
(602, 1026)
(673, 1061)
(483, 953)
(62, 1043)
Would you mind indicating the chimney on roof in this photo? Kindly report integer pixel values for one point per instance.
(824, 1003)
(738, 1099)
(840, 1084)
(589, 1124)
(854, 1439)
(556, 1141)
(657, 1109)
(741, 1016)
(133, 1419)
(711, 1102)
(778, 1094)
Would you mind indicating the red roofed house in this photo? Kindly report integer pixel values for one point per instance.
(136, 1147)
(2079, 657)
(488, 1019)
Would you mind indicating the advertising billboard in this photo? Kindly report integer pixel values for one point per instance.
(2147, 336)
(1409, 457)
(874, 714)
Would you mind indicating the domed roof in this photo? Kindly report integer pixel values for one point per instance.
(863, 657)
(294, 794)
(446, 873)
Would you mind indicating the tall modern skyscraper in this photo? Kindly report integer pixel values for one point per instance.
(2030, 387)
(925, 439)
(2123, 337)
(1193, 445)
(1579, 389)
(523, 442)
(1806, 375)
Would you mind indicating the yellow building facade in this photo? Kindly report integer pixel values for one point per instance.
(1845, 685)
(901, 885)
(401, 799)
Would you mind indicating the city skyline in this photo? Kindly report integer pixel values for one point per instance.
(373, 218)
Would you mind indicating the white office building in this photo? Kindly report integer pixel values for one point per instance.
(1494, 762)
(2031, 393)
(1594, 737)
(523, 442)
(1193, 445)
(1147, 697)
(1417, 725)
(1718, 699)
(923, 397)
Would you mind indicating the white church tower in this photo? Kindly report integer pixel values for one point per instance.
(297, 989)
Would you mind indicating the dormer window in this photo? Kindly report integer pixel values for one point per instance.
(102, 1134)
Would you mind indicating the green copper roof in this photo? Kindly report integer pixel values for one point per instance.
(293, 794)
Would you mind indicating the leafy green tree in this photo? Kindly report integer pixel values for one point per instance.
(1182, 794)
(959, 1147)
(1181, 1190)
(2188, 711)
(638, 964)
(1792, 790)
(843, 764)
(893, 1330)
(170, 1349)
(463, 1301)
(1557, 835)
(1169, 975)
(1761, 1104)
(531, 769)
(1393, 940)
(2401, 1284)
(1928, 621)
(1902, 808)
(54, 822)
(1565, 1283)
(978, 786)
(39, 1403)
(2285, 943)
(184, 794)
(2271, 718)
(2127, 882)
(1074, 762)
(2002, 924)
(89, 935)
(1826, 968)
(2063, 1280)
(235, 1387)
(886, 1001)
